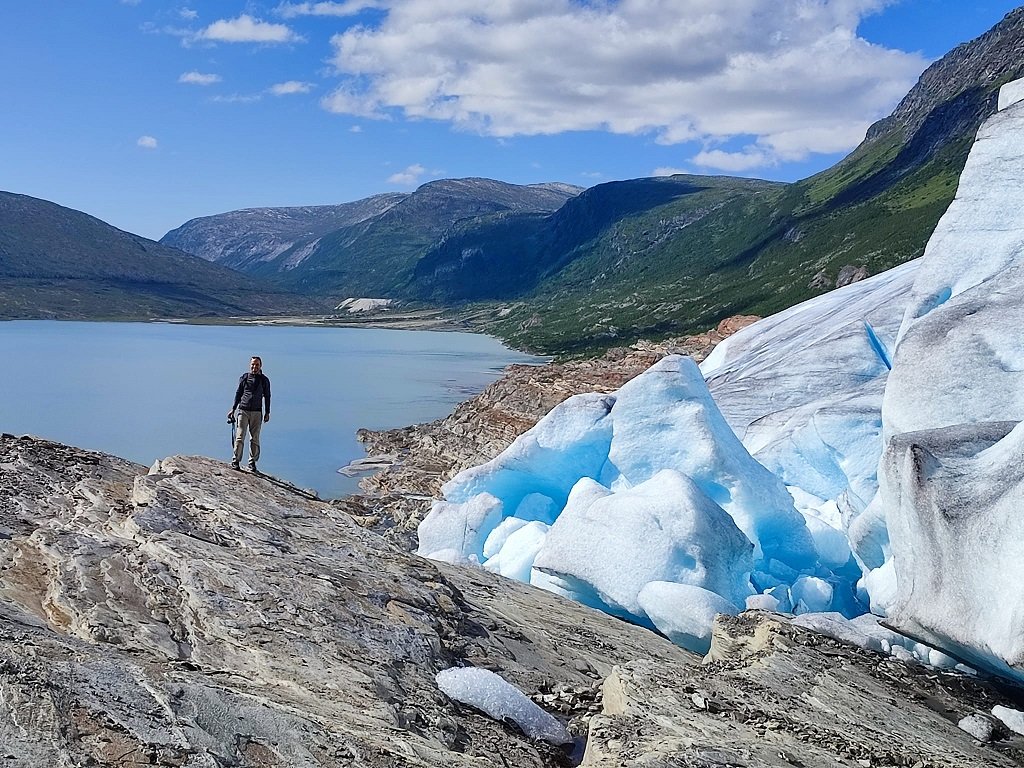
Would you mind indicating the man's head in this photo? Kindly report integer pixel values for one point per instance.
(255, 364)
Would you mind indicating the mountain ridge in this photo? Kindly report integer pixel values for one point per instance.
(368, 254)
(56, 262)
(650, 258)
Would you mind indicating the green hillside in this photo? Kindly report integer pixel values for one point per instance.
(716, 246)
(63, 264)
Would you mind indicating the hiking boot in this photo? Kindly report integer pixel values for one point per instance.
(234, 465)
(252, 467)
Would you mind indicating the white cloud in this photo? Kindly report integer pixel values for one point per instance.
(198, 78)
(147, 142)
(292, 86)
(735, 162)
(667, 171)
(188, 14)
(409, 177)
(356, 129)
(346, 101)
(246, 29)
(792, 74)
(237, 98)
(347, 8)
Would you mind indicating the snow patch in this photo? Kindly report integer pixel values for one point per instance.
(363, 305)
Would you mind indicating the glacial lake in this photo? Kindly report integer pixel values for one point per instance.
(144, 391)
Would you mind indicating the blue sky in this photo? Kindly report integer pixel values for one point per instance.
(146, 113)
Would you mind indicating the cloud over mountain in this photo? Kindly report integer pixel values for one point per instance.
(787, 78)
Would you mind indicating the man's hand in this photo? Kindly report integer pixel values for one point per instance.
(266, 418)
(231, 415)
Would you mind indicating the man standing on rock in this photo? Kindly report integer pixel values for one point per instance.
(253, 390)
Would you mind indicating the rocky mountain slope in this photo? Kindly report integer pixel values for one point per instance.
(195, 616)
(680, 264)
(244, 239)
(366, 248)
(59, 263)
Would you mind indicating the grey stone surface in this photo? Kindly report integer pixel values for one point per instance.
(189, 615)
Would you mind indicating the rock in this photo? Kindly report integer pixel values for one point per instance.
(820, 281)
(196, 616)
(363, 466)
(851, 274)
(979, 726)
(189, 615)
(806, 701)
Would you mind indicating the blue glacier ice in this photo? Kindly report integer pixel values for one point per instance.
(860, 451)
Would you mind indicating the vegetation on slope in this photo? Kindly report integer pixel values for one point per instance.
(59, 263)
(682, 264)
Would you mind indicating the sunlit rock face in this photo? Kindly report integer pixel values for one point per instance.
(191, 615)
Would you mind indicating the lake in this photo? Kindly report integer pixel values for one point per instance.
(144, 391)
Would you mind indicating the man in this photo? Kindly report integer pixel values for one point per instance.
(253, 391)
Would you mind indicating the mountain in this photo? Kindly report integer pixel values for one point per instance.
(691, 257)
(56, 262)
(366, 248)
(244, 239)
(557, 270)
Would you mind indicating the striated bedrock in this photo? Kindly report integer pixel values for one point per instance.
(192, 615)
(195, 616)
(189, 615)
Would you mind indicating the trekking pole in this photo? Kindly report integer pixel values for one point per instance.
(231, 423)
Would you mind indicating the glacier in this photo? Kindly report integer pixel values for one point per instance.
(860, 453)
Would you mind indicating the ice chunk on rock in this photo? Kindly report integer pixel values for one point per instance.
(516, 557)
(979, 726)
(665, 529)
(666, 419)
(456, 533)
(866, 632)
(811, 595)
(683, 613)
(489, 693)
(571, 442)
(1011, 718)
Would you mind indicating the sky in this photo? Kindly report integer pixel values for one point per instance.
(147, 113)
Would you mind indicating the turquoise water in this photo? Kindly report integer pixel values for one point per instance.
(144, 391)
